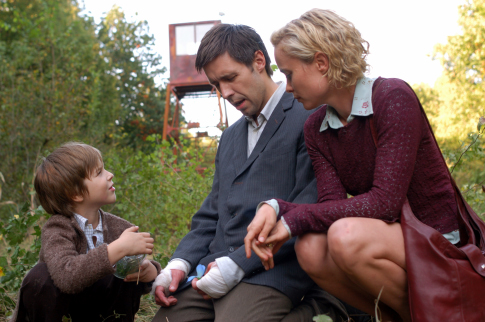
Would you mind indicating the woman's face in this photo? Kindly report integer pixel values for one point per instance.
(305, 81)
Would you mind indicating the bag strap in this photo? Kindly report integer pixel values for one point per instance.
(469, 223)
(371, 119)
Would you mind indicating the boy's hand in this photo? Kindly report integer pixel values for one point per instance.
(130, 243)
(148, 273)
(136, 243)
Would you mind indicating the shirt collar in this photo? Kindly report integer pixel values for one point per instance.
(83, 222)
(269, 107)
(361, 105)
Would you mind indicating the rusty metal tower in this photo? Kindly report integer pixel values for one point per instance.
(185, 81)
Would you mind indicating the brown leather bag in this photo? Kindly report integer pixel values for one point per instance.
(445, 282)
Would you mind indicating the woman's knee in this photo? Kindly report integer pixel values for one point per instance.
(311, 251)
(346, 243)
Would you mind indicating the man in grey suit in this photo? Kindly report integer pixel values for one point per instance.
(261, 156)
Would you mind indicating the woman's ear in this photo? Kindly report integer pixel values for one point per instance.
(78, 198)
(259, 62)
(321, 60)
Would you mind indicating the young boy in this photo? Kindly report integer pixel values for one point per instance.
(80, 244)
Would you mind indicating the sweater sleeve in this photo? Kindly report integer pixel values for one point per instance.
(71, 271)
(399, 124)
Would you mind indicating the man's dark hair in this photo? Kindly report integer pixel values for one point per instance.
(239, 41)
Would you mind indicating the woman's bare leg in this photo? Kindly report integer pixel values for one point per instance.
(323, 270)
(355, 260)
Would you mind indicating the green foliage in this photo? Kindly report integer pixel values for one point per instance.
(463, 58)
(21, 237)
(457, 101)
(467, 168)
(127, 54)
(430, 100)
(159, 191)
(458, 97)
(322, 318)
(65, 78)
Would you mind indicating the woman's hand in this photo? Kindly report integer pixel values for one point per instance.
(259, 228)
(265, 251)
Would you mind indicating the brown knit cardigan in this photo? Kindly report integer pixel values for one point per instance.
(64, 247)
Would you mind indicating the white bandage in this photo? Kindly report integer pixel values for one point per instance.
(165, 277)
(230, 271)
(213, 283)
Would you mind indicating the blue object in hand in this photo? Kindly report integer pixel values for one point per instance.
(200, 272)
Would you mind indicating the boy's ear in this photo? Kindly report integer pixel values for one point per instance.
(78, 198)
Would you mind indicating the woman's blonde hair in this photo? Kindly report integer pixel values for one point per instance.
(324, 31)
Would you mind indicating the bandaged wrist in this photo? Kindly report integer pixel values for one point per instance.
(165, 277)
(180, 264)
(213, 283)
(230, 271)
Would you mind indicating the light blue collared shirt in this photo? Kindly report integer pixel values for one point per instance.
(361, 105)
(91, 232)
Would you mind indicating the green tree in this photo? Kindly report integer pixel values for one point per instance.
(64, 78)
(457, 101)
(48, 56)
(461, 88)
(127, 48)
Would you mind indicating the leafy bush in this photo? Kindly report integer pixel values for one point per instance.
(466, 165)
(159, 191)
(64, 77)
(21, 236)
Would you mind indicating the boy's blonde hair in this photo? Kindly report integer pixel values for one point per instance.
(324, 31)
(60, 176)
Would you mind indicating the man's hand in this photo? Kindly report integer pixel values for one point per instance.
(162, 291)
(260, 227)
(194, 282)
(212, 284)
(148, 273)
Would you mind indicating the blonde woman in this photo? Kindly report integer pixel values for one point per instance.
(354, 247)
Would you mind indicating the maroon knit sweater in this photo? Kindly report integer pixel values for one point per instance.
(406, 162)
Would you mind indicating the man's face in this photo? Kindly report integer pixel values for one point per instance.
(242, 87)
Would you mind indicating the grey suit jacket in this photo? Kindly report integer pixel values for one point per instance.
(278, 167)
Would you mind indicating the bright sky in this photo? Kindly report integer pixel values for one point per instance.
(401, 34)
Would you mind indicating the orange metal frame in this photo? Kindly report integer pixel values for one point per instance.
(185, 80)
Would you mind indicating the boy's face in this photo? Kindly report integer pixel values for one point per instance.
(100, 187)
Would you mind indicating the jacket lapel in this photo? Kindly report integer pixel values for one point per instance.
(240, 144)
(271, 127)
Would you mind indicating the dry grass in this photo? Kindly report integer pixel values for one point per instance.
(147, 310)
(4, 309)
